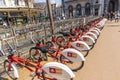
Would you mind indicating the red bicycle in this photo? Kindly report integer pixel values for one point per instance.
(48, 71)
(71, 57)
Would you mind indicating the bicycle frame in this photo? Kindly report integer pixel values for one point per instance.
(23, 62)
(57, 51)
(41, 69)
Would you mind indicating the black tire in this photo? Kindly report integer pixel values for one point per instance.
(91, 46)
(74, 66)
(86, 53)
(71, 79)
(11, 72)
(34, 54)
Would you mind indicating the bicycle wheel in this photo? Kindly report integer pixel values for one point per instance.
(74, 66)
(60, 40)
(85, 53)
(34, 54)
(9, 71)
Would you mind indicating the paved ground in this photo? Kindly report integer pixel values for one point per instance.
(102, 63)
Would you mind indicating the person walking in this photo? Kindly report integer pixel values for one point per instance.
(116, 16)
(4, 24)
(111, 16)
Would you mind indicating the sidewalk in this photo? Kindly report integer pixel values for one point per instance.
(102, 63)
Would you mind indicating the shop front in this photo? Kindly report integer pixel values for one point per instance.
(17, 16)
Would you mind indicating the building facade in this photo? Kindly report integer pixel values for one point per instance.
(56, 9)
(77, 8)
(111, 6)
(17, 12)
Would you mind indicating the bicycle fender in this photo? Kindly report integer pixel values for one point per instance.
(80, 45)
(89, 41)
(101, 23)
(73, 55)
(95, 31)
(58, 70)
(94, 36)
(15, 70)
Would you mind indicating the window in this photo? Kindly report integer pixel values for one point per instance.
(78, 10)
(26, 2)
(96, 12)
(70, 8)
(87, 9)
(2, 2)
(96, 1)
(16, 2)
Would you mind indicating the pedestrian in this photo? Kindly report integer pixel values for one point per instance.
(116, 16)
(108, 16)
(5, 24)
(111, 16)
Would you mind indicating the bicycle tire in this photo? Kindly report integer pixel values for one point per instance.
(77, 65)
(9, 73)
(86, 52)
(34, 55)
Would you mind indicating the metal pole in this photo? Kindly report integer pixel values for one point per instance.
(50, 16)
(63, 7)
(15, 42)
(29, 11)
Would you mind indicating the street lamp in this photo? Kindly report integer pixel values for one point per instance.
(50, 16)
(28, 6)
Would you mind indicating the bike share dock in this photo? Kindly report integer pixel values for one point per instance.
(102, 62)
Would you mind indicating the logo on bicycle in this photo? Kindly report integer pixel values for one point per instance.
(86, 39)
(80, 45)
(55, 70)
(69, 54)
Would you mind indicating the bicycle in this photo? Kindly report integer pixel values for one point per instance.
(48, 71)
(86, 33)
(69, 56)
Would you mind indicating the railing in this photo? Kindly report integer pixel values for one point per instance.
(23, 35)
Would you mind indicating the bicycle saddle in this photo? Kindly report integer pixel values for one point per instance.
(43, 49)
(64, 33)
(73, 34)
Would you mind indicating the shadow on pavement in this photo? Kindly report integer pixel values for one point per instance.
(1, 78)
